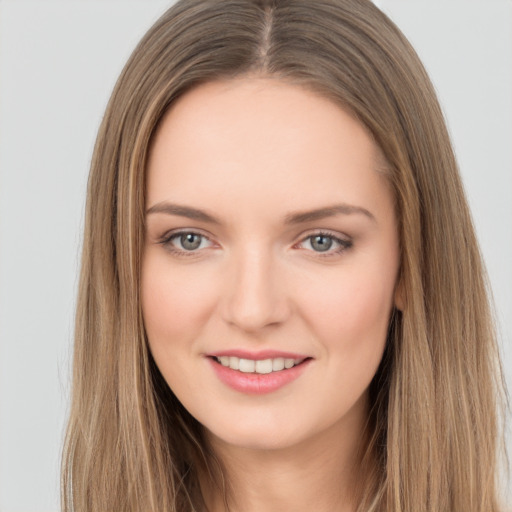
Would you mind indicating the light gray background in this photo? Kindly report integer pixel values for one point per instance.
(58, 63)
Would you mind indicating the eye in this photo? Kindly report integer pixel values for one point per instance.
(189, 241)
(186, 242)
(321, 243)
(325, 243)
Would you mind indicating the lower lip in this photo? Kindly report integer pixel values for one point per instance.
(257, 383)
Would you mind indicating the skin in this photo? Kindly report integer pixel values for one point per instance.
(250, 152)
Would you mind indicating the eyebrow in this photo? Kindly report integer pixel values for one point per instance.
(330, 211)
(182, 211)
(291, 218)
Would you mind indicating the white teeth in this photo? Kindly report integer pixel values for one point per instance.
(288, 363)
(264, 366)
(278, 364)
(247, 365)
(261, 366)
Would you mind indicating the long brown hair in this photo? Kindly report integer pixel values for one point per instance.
(434, 422)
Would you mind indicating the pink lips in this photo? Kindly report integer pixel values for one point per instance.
(255, 383)
(261, 354)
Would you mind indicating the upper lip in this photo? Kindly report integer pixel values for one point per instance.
(257, 355)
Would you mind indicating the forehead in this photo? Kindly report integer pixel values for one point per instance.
(249, 138)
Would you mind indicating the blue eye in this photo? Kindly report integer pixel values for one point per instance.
(321, 243)
(190, 241)
(186, 242)
(325, 243)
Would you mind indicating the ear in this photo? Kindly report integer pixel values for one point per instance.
(399, 294)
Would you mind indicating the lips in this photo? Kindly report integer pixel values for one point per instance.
(257, 373)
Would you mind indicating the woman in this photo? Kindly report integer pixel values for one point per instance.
(282, 303)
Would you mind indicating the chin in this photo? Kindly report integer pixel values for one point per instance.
(257, 435)
(256, 441)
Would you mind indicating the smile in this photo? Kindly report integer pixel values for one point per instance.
(258, 373)
(260, 366)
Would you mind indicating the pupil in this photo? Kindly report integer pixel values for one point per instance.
(321, 243)
(190, 241)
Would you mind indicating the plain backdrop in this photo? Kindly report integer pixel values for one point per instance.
(58, 63)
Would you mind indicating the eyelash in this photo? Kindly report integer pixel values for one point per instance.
(167, 239)
(343, 244)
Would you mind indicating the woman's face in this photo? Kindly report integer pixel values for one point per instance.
(271, 241)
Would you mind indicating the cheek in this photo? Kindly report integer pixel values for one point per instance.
(175, 309)
(351, 314)
(173, 305)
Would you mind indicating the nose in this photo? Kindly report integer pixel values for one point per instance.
(255, 293)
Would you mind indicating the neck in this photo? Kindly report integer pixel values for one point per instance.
(321, 473)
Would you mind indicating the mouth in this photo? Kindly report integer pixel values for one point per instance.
(258, 373)
(259, 366)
